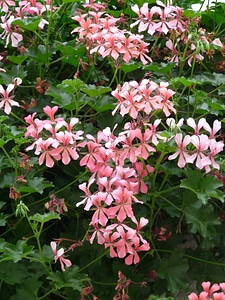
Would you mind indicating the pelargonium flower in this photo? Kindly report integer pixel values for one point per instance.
(184, 156)
(8, 32)
(7, 101)
(59, 255)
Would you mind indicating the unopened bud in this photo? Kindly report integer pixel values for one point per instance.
(21, 209)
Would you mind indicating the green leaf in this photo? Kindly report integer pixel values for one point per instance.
(70, 278)
(102, 104)
(159, 68)
(201, 218)
(28, 23)
(72, 85)
(93, 90)
(186, 82)
(204, 186)
(17, 59)
(16, 252)
(129, 67)
(3, 243)
(173, 270)
(211, 78)
(69, 1)
(12, 273)
(2, 203)
(45, 217)
(35, 185)
(3, 219)
(7, 180)
(27, 290)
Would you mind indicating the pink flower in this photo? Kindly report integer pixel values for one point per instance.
(101, 214)
(201, 142)
(142, 171)
(125, 241)
(6, 100)
(133, 258)
(8, 32)
(210, 290)
(4, 4)
(123, 204)
(110, 240)
(59, 256)
(202, 296)
(201, 123)
(218, 296)
(66, 147)
(214, 147)
(184, 157)
(48, 153)
(212, 131)
(166, 104)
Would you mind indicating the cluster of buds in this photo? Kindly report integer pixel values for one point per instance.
(56, 204)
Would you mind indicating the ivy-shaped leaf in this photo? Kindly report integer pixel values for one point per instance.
(45, 217)
(204, 186)
(70, 278)
(28, 23)
(16, 252)
(93, 90)
(199, 217)
(35, 185)
(173, 270)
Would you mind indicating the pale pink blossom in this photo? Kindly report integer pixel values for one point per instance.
(202, 296)
(45, 148)
(197, 127)
(201, 143)
(7, 101)
(182, 152)
(8, 32)
(59, 255)
(212, 130)
(5, 4)
(206, 285)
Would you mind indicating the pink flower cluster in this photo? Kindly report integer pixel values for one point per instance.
(54, 138)
(146, 96)
(200, 146)
(102, 35)
(12, 33)
(214, 292)
(159, 19)
(116, 184)
(182, 33)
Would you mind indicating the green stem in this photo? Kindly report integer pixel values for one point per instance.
(95, 260)
(156, 168)
(58, 191)
(114, 76)
(167, 190)
(37, 234)
(171, 203)
(19, 119)
(195, 258)
(9, 158)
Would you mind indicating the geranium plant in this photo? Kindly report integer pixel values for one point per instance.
(112, 161)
